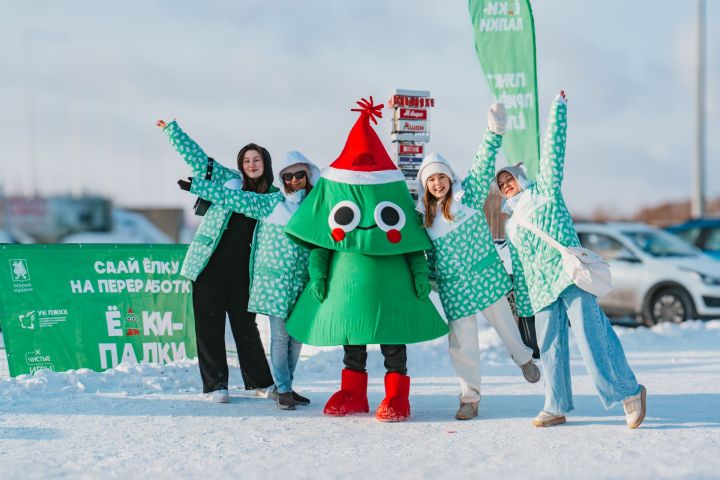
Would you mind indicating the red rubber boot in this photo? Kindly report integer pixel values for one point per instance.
(352, 396)
(395, 407)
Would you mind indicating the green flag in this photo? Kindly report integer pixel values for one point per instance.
(505, 45)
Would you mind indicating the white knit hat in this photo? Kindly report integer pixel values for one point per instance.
(432, 168)
(436, 163)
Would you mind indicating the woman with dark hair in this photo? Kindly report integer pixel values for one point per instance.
(218, 263)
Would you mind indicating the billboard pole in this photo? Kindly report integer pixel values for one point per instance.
(698, 197)
(410, 131)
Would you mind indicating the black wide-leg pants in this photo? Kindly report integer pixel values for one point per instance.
(215, 293)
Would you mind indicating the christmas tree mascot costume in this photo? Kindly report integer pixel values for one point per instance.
(368, 274)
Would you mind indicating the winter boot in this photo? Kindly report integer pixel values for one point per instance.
(395, 407)
(467, 411)
(299, 399)
(635, 407)
(285, 401)
(531, 372)
(352, 396)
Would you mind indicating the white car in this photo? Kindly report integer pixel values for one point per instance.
(656, 276)
(128, 227)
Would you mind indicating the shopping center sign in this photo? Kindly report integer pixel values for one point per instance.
(410, 131)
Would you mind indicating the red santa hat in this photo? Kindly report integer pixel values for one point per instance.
(364, 160)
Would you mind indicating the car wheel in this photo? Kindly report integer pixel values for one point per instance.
(668, 305)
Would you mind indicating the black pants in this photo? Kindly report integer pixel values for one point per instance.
(216, 292)
(395, 358)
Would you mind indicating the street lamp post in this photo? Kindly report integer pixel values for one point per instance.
(28, 111)
(698, 197)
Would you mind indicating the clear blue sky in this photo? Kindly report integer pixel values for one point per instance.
(285, 73)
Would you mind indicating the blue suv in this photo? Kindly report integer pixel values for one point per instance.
(704, 233)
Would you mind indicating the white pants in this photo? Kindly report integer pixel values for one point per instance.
(465, 346)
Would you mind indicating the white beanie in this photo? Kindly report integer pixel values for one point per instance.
(431, 164)
(433, 168)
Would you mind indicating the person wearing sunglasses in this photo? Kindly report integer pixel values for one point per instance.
(279, 266)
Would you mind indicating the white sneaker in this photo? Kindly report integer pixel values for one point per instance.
(269, 392)
(531, 372)
(547, 419)
(220, 396)
(635, 407)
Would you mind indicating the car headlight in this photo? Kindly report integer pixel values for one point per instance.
(707, 279)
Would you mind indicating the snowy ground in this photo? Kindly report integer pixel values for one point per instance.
(147, 421)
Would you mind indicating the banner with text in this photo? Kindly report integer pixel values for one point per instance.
(94, 306)
(505, 46)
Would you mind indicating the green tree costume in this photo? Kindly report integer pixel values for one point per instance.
(367, 263)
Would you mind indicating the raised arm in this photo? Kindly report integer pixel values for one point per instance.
(252, 204)
(478, 181)
(552, 160)
(191, 152)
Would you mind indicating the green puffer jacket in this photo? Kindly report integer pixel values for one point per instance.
(537, 267)
(470, 274)
(217, 216)
(278, 266)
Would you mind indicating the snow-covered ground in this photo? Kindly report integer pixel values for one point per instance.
(147, 421)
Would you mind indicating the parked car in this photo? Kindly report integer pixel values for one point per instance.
(127, 227)
(704, 233)
(656, 276)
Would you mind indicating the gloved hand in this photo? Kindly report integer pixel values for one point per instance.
(318, 289)
(497, 118)
(185, 185)
(422, 286)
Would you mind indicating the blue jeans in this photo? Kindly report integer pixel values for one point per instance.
(599, 346)
(284, 354)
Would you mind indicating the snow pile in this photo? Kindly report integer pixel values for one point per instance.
(429, 359)
(125, 379)
(695, 335)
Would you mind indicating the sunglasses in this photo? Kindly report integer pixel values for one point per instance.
(287, 177)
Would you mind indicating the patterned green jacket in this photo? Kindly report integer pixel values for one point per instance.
(537, 267)
(470, 274)
(217, 216)
(279, 267)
